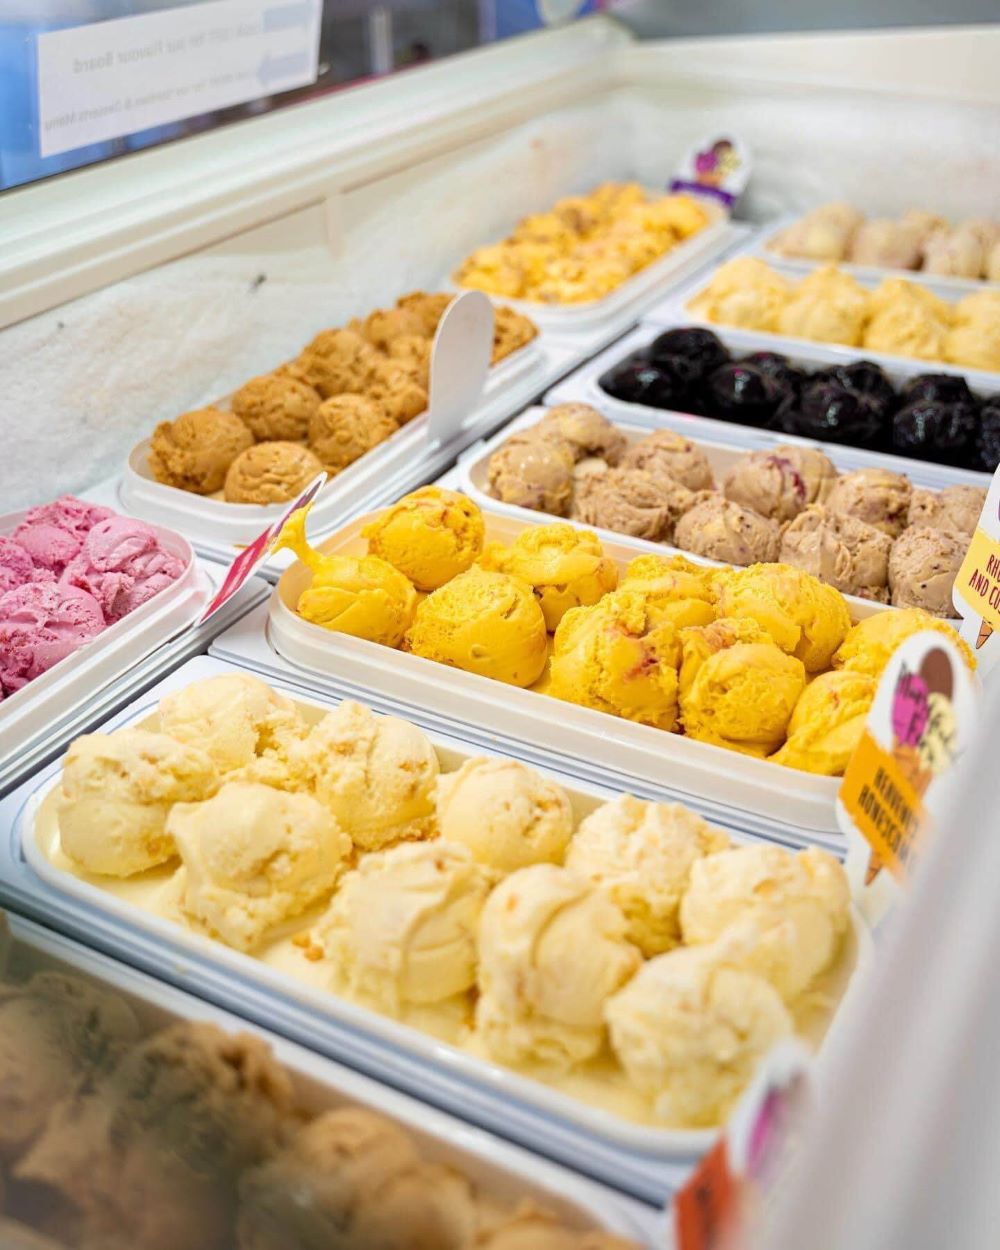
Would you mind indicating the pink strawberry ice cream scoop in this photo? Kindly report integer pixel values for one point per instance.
(53, 533)
(17, 567)
(40, 624)
(122, 563)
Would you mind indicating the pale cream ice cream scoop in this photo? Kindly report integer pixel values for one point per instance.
(194, 452)
(798, 901)
(840, 550)
(376, 774)
(150, 1156)
(253, 858)
(276, 406)
(668, 456)
(271, 473)
(552, 949)
(923, 566)
(719, 529)
(690, 1030)
(641, 854)
(116, 793)
(353, 1179)
(430, 535)
(55, 1030)
(346, 426)
(402, 926)
(887, 244)
(780, 483)
(586, 431)
(533, 472)
(954, 508)
(244, 725)
(564, 566)
(632, 501)
(508, 815)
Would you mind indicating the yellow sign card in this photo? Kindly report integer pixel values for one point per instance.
(882, 794)
(978, 580)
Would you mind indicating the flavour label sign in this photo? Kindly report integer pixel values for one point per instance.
(108, 79)
(976, 592)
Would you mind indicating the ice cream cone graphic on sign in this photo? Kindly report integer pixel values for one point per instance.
(985, 629)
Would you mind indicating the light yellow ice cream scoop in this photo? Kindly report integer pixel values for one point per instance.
(827, 723)
(565, 567)
(254, 857)
(552, 948)
(737, 689)
(430, 536)
(486, 623)
(804, 616)
(797, 901)
(402, 927)
(365, 597)
(618, 656)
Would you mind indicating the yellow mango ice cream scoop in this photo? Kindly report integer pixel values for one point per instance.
(566, 567)
(430, 536)
(365, 597)
(483, 622)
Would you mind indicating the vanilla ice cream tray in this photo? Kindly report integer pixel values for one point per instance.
(31, 718)
(218, 529)
(673, 310)
(766, 799)
(583, 385)
(645, 1161)
(472, 478)
(762, 245)
(591, 322)
(497, 1169)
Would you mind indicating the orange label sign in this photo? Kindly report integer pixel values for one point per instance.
(883, 795)
(706, 1208)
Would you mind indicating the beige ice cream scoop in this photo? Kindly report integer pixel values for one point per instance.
(194, 451)
(351, 1178)
(632, 501)
(887, 244)
(508, 815)
(840, 550)
(533, 472)
(876, 496)
(719, 529)
(641, 854)
(669, 456)
(923, 566)
(586, 431)
(799, 902)
(552, 949)
(954, 508)
(276, 406)
(691, 1029)
(246, 727)
(376, 774)
(54, 1030)
(768, 483)
(253, 858)
(343, 428)
(271, 473)
(402, 927)
(116, 793)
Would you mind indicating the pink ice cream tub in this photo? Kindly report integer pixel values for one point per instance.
(118, 575)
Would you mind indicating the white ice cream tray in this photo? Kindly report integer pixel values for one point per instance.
(584, 385)
(497, 1168)
(647, 1162)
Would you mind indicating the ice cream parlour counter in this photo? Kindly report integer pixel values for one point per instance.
(733, 386)
(138, 1114)
(489, 866)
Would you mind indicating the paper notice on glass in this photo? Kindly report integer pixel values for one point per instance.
(108, 79)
